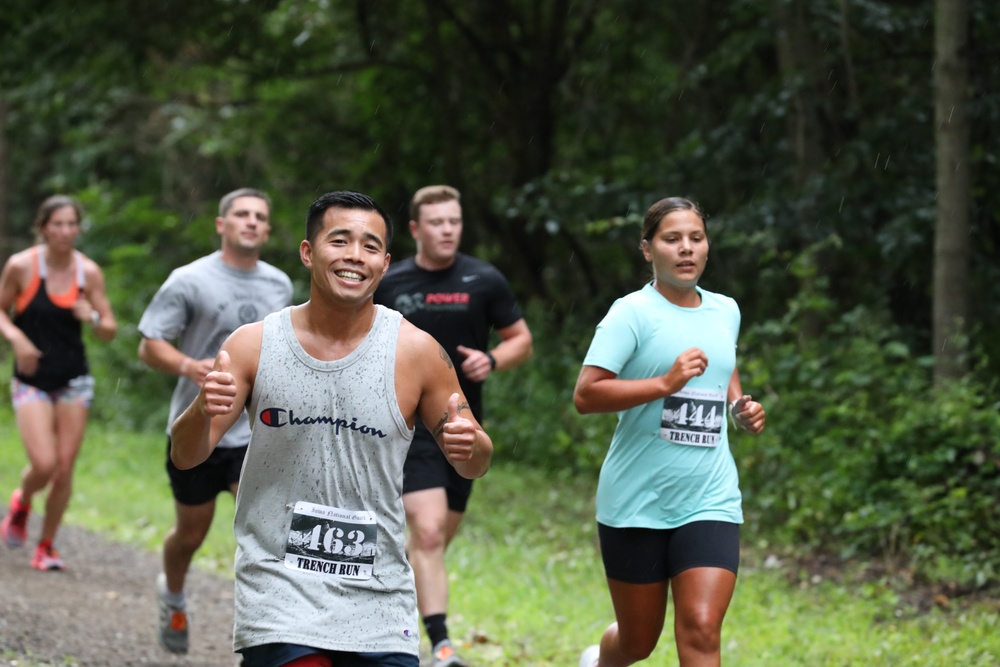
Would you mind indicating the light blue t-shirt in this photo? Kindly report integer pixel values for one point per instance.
(669, 462)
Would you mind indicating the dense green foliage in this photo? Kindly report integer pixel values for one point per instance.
(865, 457)
(560, 123)
(803, 127)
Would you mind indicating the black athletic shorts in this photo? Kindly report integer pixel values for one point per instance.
(651, 555)
(202, 483)
(270, 655)
(426, 467)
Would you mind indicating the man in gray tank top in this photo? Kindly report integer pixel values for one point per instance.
(321, 571)
(190, 316)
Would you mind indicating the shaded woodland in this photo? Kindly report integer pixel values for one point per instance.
(843, 149)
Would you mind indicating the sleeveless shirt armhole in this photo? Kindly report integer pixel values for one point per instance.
(81, 278)
(390, 374)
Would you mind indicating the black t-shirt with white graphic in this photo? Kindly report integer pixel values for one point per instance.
(459, 305)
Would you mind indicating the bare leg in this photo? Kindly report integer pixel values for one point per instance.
(451, 526)
(183, 540)
(36, 422)
(701, 598)
(640, 610)
(430, 530)
(70, 421)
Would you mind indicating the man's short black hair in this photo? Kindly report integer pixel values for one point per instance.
(346, 199)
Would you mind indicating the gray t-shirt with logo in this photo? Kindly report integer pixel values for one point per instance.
(197, 308)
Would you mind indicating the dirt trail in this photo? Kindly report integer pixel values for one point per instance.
(101, 611)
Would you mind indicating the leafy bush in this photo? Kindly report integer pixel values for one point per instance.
(864, 457)
(529, 410)
(137, 245)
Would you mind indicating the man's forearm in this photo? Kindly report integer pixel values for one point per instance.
(479, 463)
(190, 438)
(512, 352)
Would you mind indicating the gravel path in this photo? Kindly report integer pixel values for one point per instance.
(101, 611)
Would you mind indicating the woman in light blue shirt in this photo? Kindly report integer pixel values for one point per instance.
(668, 499)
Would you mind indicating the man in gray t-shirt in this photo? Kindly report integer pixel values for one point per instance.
(182, 329)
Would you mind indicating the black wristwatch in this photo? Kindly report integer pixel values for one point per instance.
(493, 361)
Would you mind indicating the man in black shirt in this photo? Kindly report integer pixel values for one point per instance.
(459, 300)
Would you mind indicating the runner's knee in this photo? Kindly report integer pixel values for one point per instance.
(700, 630)
(427, 537)
(637, 644)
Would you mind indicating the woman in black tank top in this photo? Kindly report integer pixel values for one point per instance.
(46, 293)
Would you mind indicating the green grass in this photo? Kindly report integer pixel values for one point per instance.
(527, 583)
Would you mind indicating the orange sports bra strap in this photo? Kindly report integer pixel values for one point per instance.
(25, 297)
(64, 300)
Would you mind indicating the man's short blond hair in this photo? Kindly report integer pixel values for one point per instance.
(432, 194)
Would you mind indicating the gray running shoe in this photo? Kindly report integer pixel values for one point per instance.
(443, 655)
(172, 625)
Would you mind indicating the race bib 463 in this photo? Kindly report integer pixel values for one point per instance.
(330, 541)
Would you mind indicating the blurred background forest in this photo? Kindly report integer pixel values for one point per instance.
(845, 151)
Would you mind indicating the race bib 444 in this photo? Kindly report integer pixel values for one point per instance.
(694, 417)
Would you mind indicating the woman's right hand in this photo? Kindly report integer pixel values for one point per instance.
(26, 356)
(688, 364)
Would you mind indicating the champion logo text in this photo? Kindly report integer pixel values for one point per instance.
(278, 417)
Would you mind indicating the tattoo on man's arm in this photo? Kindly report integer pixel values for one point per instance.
(444, 355)
(439, 427)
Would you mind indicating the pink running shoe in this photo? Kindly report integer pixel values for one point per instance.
(47, 558)
(14, 527)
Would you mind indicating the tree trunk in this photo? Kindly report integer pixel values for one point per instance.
(6, 246)
(951, 235)
(798, 64)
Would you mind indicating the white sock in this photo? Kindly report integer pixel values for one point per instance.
(173, 599)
